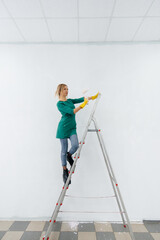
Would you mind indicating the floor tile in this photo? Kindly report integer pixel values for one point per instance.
(13, 235)
(86, 227)
(69, 226)
(139, 228)
(103, 227)
(5, 225)
(19, 226)
(156, 236)
(105, 236)
(143, 236)
(122, 236)
(55, 227)
(152, 227)
(31, 236)
(86, 236)
(36, 226)
(68, 236)
(119, 227)
(53, 236)
(2, 234)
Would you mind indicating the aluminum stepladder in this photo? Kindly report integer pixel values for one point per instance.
(122, 209)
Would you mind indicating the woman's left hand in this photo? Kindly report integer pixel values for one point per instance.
(95, 96)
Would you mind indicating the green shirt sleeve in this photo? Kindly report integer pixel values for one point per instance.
(77, 100)
(64, 109)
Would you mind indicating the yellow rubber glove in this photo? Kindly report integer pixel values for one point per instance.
(95, 96)
(84, 103)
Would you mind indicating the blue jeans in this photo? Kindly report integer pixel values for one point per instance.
(64, 143)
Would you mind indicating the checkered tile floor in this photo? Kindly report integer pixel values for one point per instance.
(34, 230)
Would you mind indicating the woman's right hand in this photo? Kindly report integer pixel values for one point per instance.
(84, 103)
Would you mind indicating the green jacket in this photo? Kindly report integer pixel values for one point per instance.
(67, 124)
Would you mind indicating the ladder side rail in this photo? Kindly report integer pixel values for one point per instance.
(118, 190)
(111, 179)
(62, 195)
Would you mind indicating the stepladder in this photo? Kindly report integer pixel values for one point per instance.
(117, 194)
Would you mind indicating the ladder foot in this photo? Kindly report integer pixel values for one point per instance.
(47, 238)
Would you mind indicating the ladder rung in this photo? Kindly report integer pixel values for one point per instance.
(93, 130)
(89, 197)
(88, 212)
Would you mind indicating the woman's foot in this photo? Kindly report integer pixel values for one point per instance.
(65, 175)
(69, 159)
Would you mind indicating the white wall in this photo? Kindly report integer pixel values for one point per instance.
(128, 76)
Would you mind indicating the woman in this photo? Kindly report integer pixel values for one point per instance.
(67, 125)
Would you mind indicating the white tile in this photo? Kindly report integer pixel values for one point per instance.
(155, 9)
(60, 8)
(69, 226)
(123, 29)
(103, 227)
(24, 8)
(95, 8)
(86, 236)
(122, 236)
(156, 236)
(149, 31)
(3, 11)
(9, 32)
(12, 235)
(139, 228)
(131, 8)
(5, 225)
(34, 30)
(36, 226)
(63, 29)
(92, 29)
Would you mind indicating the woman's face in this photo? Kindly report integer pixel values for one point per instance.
(64, 92)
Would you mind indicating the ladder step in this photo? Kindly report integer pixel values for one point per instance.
(89, 212)
(89, 197)
(93, 130)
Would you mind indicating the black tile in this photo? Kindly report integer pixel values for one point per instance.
(143, 236)
(105, 236)
(19, 226)
(31, 235)
(119, 227)
(68, 236)
(2, 234)
(86, 227)
(153, 227)
(151, 221)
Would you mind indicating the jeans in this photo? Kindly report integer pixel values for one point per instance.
(64, 144)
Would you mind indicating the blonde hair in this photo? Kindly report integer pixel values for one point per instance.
(59, 89)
